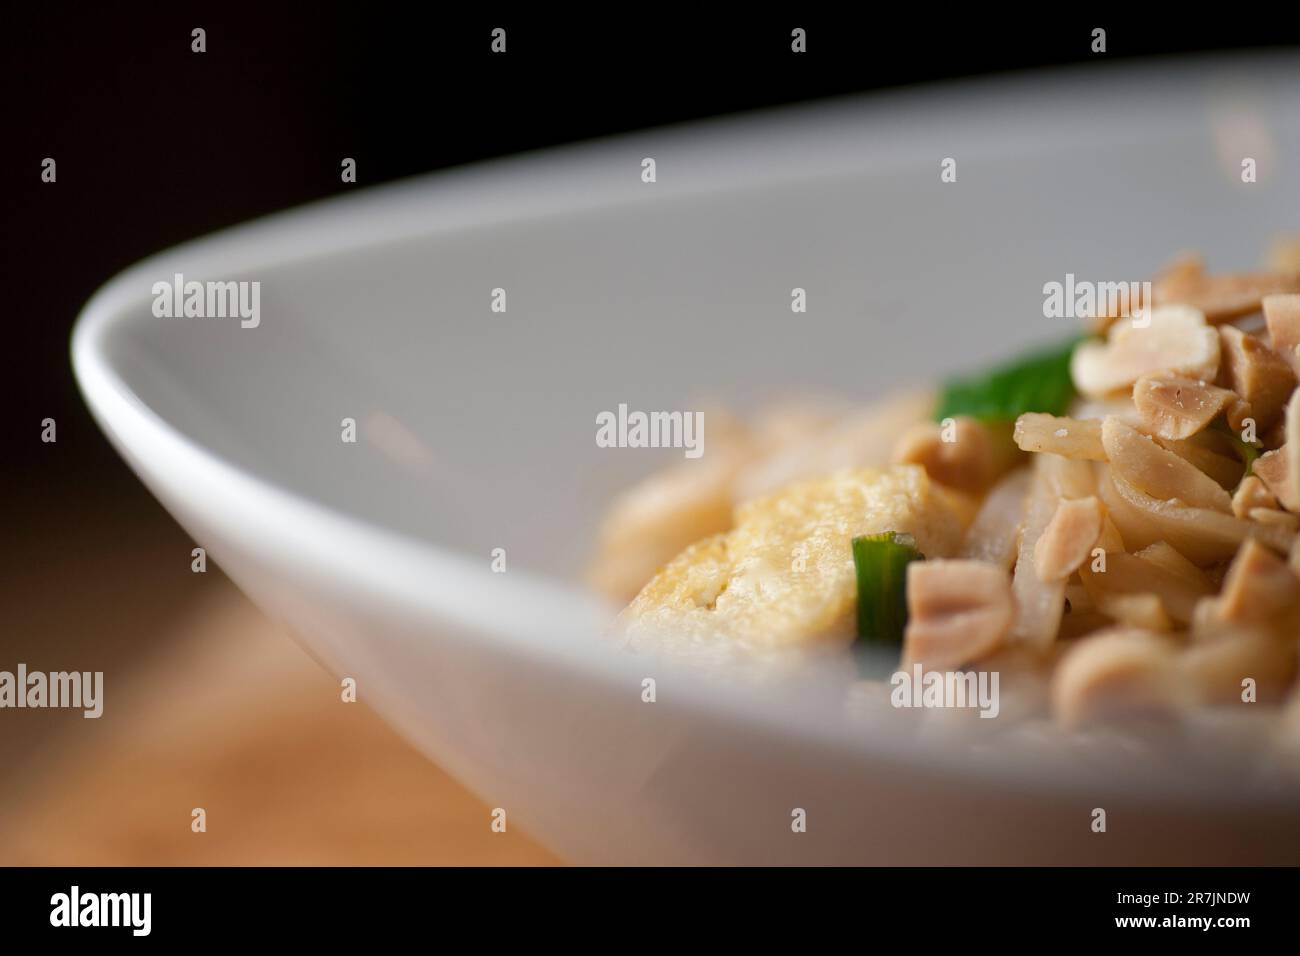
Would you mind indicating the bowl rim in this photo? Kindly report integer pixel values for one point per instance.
(561, 180)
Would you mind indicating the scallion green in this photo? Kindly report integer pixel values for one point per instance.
(1038, 381)
(881, 562)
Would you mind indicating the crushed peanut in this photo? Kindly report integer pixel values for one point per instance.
(1117, 673)
(1272, 469)
(1259, 586)
(1176, 340)
(1215, 668)
(1252, 495)
(976, 456)
(1068, 539)
(959, 611)
(1282, 313)
(1068, 437)
(1225, 297)
(1174, 407)
(1262, 377)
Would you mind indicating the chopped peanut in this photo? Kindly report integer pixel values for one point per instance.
(1217, 667)
(1282, 313)
(1175, 340)
(1069, 437)
(1252, 495)
(1261, 376)
(1158, 472)
(1238, 413)
(1175, 408)
(1272, 469)
(1222, 297)
(1259, 587)
(1068, 538)
(1116, 673)
(959, 611)
(967, 454)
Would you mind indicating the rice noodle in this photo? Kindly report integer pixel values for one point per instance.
(993, 534)
(1202, 535)
(1039, 604)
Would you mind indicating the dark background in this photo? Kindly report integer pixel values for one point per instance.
(156, 144)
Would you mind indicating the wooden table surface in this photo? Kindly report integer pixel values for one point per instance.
(207, 704)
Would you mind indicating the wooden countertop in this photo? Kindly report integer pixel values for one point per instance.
(207, 704)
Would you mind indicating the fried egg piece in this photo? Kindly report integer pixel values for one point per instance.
(783, 576)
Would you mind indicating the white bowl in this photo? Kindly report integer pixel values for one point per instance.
(476, 431)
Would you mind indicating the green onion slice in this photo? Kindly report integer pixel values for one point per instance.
(1038, 381)
(881, 562)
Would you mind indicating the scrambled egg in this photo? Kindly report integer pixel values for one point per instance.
(784, 576)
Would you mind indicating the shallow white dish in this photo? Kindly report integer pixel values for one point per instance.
(476, 431)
